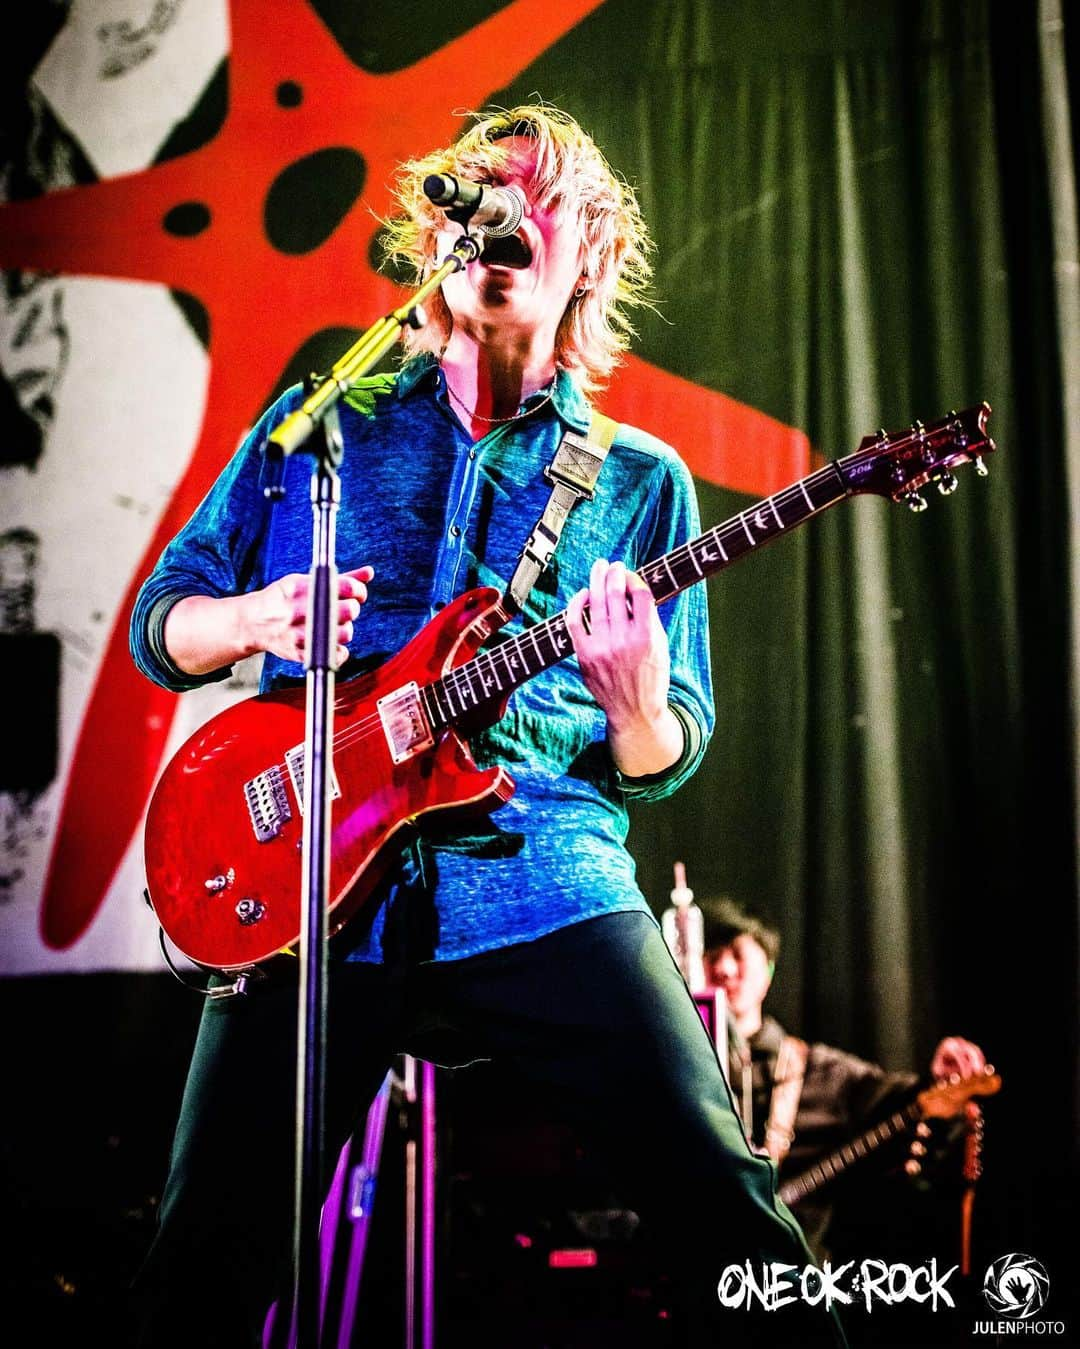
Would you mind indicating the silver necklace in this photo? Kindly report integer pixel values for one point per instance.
(498, 421)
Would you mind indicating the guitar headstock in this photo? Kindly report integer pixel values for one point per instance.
(899, 463)
(947, 1099)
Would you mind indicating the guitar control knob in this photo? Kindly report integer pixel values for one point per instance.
(250, 911)
(915, 502)
(946, 484)
(215, 884)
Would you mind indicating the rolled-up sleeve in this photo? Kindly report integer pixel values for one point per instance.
(216, 554)
(675, 521)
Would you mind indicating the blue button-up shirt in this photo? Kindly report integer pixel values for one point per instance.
(436, 514)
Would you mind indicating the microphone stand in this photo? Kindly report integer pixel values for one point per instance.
(319, 408)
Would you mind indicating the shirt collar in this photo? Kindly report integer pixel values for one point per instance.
(569, 402)
(413, 371)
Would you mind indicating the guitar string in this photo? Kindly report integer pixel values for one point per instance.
(484, 662)
(461, 677)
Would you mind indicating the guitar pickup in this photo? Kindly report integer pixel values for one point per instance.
(404, 724)
(294, 762)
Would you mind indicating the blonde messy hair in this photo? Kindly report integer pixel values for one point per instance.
(570, 168)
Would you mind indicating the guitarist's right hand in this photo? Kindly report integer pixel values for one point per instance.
(278, 613)
(203, 634)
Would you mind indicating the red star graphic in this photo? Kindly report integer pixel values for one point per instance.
(263, 305)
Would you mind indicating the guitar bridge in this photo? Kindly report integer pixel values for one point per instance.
(267, 803)
(404, 724)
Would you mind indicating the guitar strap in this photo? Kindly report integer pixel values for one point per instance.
(784, 1101)
(573, 474)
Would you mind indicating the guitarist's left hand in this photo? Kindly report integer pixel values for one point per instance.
(957, 1056)
(624, 658)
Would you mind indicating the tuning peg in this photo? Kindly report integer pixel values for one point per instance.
(946, 484)
(915, 502)
(922, 1129)
(918, 1149)
(980, 467)
(925, 444)
(912, 1167)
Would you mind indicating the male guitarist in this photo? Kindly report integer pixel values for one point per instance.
(523, 934)
(799, 1102)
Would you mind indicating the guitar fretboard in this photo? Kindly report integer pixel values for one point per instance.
(494, 673)
(830, 1167)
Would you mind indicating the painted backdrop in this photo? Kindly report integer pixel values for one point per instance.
(865, 214)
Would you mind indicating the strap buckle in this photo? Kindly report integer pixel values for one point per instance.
(573, 474)
(576, 465)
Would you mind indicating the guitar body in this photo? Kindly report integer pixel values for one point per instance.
(229, 898)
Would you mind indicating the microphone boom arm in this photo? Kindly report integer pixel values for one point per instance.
(294, 431)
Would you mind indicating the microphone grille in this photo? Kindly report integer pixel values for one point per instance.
(511, 221)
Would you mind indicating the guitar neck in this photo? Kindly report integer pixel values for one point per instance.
(742, 534)
(498, 671)
(791, 1191)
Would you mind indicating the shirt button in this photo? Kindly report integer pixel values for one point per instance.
(455, 532)
(472, 454)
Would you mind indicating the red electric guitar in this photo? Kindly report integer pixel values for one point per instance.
(223, 830)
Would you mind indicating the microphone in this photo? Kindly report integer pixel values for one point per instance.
(497, 211)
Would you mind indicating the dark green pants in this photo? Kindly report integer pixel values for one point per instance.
(597, 1012)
